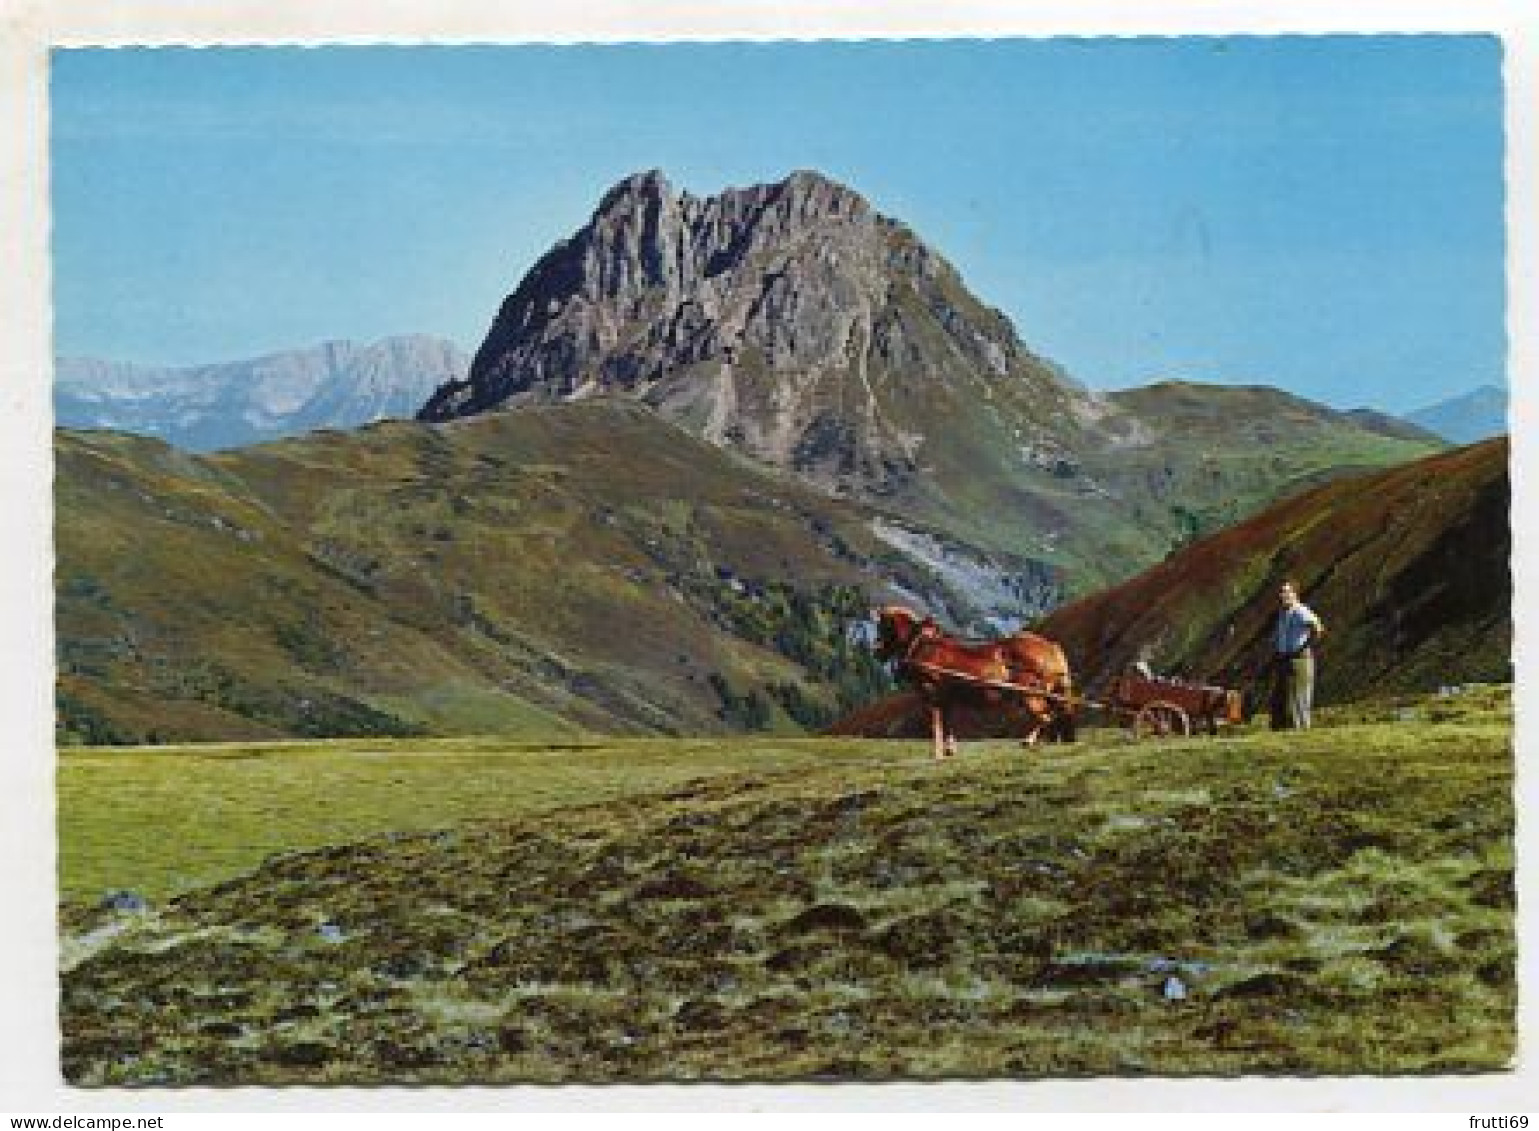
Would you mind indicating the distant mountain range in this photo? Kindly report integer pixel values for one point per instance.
(1388, 425)
(1476, 415)
(207, 407)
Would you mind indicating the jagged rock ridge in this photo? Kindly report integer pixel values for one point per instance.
(789, 320)
(795, 324)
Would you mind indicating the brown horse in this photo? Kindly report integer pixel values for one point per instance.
(947, 673)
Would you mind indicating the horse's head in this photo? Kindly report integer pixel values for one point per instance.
(896, 628)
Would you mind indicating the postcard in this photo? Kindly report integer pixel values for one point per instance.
(782, 561)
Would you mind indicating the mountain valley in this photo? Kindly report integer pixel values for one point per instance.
(702, 437)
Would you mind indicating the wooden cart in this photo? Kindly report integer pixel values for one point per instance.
(1150, 706)
(1157, 707)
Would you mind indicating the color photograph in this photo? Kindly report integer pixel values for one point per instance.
(974, 559)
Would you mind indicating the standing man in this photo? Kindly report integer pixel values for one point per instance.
(1293, 661)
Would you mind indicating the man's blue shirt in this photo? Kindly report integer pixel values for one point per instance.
(1293, 627)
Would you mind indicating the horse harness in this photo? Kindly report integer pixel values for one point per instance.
(1006, 678)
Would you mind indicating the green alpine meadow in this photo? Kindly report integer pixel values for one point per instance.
(1336, 901)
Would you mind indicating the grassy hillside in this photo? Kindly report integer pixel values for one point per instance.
(1407, 567)
(1339, 901)
(1216, 454)
(545, 572)
(1014, 474)
(582, 568)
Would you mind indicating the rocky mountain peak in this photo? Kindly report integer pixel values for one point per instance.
(805, 197)
(789, 320)
(651, 183)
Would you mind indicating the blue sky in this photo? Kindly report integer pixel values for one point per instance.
(1323, 214)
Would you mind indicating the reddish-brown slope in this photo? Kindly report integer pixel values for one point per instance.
(1407, 567)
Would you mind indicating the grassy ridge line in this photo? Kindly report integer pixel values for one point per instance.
(1339, 901)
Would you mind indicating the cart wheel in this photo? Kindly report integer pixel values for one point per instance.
(1161, 720)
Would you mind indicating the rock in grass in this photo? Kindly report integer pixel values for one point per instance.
(124, 901)
(1175, 989)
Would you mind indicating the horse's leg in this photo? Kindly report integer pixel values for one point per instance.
(1036, 730)
(938, 730)
(951, 735)
(1067, 726)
